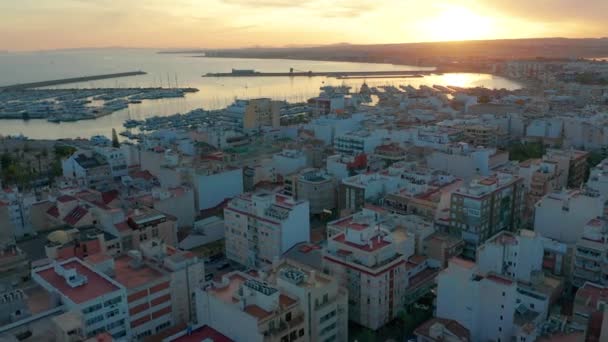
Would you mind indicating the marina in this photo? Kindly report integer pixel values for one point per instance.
(64, 105)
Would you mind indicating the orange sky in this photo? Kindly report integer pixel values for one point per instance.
(52, 24)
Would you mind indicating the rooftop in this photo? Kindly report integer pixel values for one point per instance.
(133, 277)
(204, 333)
(95, 286)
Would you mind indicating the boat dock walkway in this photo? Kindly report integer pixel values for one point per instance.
(70, 80)
(337, 74)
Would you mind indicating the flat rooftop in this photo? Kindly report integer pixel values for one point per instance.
(131, 277)
(95, 286)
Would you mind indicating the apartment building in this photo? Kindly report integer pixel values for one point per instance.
(262, 226)
(256, 113)
(89, 169)
(540, 177)
(315, 186)
(288, 162)
(117, 160)
(244, 307)
(15, 212)
(486, 206)
(144, 224)
(324, 301)
(158, 279)
(101, 300)
(572, 164)
(519, 256)
(484, 135)
(591, 254)
(357, 142)
(562, 215)
(589, 311)
(357, 190)
(366, 260)
(424, 192)
(464, 161)
(494, 306)
(598, 178)
(214, 183)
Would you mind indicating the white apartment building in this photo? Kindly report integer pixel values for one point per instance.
(212, 186)
(493, 307)
(117, 160)
(591, 254)
(323, 300)
(519, 256)
(327, 127)
(244, 307)
(357, 142)
(366, 260)
(464, 161)
(100, 300)
(504, 295)
(289, 161)
(562, 215)
(262, 226)
(18, 206)
(598, 178)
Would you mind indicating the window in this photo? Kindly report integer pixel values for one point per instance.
(92, 308)
(301, 332)
(288, 317)
(112, 301)
(285, 339)
(503, 294)
(293, 336)
(94, 320)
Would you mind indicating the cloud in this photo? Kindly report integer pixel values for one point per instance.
(318, 8)
(552, 10)
(267, 3)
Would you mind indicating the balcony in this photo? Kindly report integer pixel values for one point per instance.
(283, 327)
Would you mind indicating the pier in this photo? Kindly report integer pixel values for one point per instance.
(337, 74)
(70, 80)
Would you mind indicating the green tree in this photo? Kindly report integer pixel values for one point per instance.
(115, 142)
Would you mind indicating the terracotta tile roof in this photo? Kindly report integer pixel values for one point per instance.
(65, 198)
(75, 215)
(204, 333)
(53, 211)
(452, 326)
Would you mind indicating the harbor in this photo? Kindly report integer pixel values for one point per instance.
(22, 86)
(64, 105)
(335, 74)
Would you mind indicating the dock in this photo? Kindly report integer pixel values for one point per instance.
(336, 74)
(70, 80)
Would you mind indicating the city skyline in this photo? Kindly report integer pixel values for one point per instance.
(45, 25)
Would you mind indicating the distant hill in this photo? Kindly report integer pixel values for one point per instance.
(430, 53)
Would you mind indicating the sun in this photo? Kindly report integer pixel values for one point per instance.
(456, 23)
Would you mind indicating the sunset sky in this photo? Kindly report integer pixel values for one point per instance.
(53, 24)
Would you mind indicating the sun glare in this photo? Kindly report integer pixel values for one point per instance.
(457, 23)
